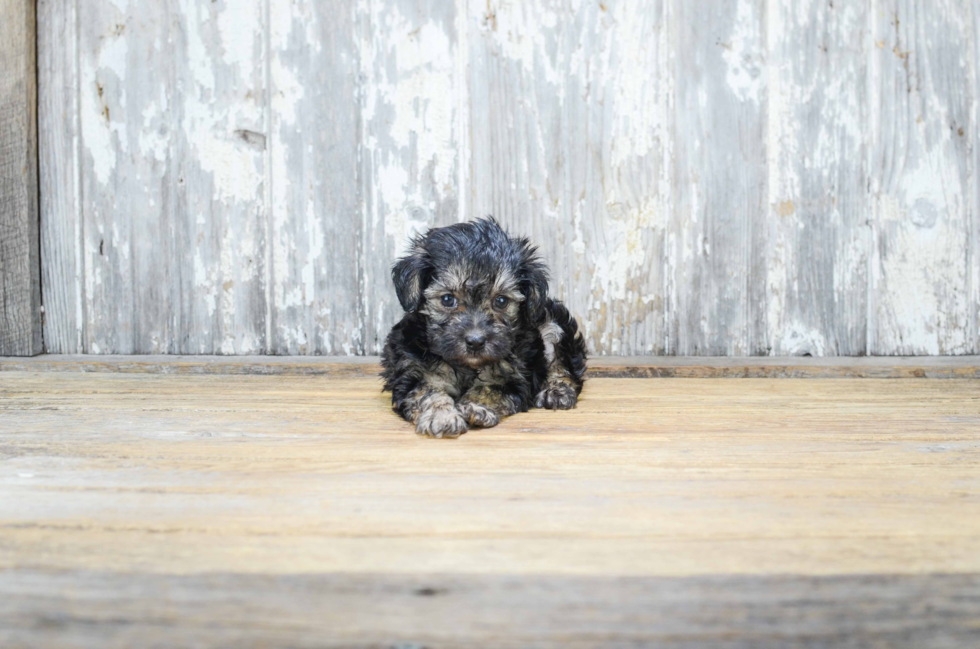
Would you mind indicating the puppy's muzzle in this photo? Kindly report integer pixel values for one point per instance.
(475, 340)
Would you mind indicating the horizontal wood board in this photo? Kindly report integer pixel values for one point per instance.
(940, 367)
(284, 510)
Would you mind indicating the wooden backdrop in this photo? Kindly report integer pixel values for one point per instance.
(732, 177)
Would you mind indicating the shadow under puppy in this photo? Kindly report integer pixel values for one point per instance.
(480, 339)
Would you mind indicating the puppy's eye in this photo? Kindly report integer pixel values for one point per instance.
(501, 302)
(448, 300)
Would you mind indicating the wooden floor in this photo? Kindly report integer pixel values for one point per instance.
(148, 510)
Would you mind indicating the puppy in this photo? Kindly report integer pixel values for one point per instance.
(480, 339)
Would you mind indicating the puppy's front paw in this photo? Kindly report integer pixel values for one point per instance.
(440, 421)
(557, 396)
(478, 415)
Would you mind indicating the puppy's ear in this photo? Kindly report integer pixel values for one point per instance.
(534, 283)
(410, 275)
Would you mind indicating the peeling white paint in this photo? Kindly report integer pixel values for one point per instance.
(103, 98)
(98, 136)
(798, 340)
(154, 136)
(744, 54)
(235, 168)
(637, 127)
(408, 66)
(783, 182)
(521, 31)
(210, 125)
(612, 273)
(420, 96)
(287, 95)
(239, 38)
(198, 58)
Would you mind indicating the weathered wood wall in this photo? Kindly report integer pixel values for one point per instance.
(20, 269)
(736, 177)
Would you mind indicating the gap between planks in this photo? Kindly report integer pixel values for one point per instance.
(872, 367)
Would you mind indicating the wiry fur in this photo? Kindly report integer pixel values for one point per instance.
(480, 359)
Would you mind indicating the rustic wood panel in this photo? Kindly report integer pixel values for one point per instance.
(974, 250)
(750, 512)
(220, 176)
(315, 304)
(110, 610)
(125, 65)
(717, 231)
(753, 177)
(817, 215)
(61, 237)
(569, 122)
(409, 148)
(923, 172)
(172, 105)
(20, 268)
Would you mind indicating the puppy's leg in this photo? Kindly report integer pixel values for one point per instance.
(565, 357)
(499, 391)
(421, 392)
(484, 406)
(433, 412)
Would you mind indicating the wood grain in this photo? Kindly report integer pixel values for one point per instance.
(315, 305)
(20, 268)
(109, 609)
(753, 513)
(717, 276)
(818, 237)
(124, 88)
(62, 251)
(569, 124)
(221, 96)
(408, 156)
(922, 172)
(974, 247)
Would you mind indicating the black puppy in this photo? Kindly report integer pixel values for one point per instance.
(480, 339)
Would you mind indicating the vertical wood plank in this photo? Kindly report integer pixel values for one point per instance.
(408, 158)
(922, 172)
(818, 206)
(717, 275)
(125, 64)
(221, 102)
(974, 250)
(20, 281)
(517, 83)
(315, 194)
(569, 115)
(172, 113)
(61, 238)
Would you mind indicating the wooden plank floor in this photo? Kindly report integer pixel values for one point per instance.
(148, 510)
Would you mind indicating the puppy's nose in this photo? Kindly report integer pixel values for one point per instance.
(475, 340)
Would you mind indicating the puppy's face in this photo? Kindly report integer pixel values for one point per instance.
(472, 313)
(475, 287)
